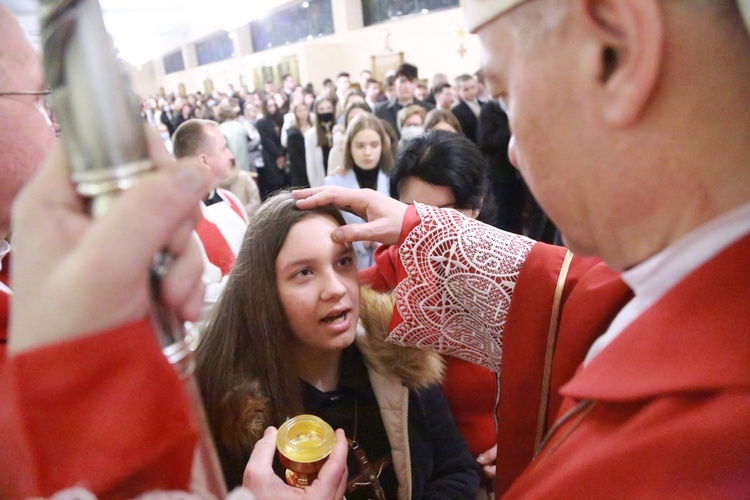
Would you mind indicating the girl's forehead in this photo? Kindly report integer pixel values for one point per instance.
(309, 237)
(365, 130)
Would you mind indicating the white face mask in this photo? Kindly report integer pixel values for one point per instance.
(411, 132)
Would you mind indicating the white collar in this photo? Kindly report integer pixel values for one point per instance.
(653, 278)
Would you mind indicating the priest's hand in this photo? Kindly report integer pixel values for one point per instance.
(383, 214)
(263, 482)
(73, 275)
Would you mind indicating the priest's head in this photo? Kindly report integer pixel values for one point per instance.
(629, 117)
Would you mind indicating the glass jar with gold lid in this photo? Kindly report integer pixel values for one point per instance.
(304, 443)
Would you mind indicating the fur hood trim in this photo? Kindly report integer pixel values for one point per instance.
(415, 368)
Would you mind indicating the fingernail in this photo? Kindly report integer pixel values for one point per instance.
(337, 236)
(191, 180)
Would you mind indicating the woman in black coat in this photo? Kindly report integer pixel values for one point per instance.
(295, 146)
(271, 177)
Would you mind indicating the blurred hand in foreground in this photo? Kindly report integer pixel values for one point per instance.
(74, 275)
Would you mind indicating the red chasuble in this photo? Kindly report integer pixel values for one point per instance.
(106, 412)
(661, 412)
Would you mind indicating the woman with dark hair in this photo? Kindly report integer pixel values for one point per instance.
(447, 170)
(271, 177)
(442, 119)
(285, 339)
(441, 169)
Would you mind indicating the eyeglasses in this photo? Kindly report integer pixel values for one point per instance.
(43, 95)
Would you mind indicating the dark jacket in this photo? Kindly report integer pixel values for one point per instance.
(436, 457)
(507, 190)
(468, 120)
(270, 177)
(295, 148)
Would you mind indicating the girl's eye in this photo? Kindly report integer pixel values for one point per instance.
(303, 273)
(346, 261)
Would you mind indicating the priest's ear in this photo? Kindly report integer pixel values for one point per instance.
(630, 39)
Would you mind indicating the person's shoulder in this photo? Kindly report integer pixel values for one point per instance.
(426, 105)
(382, 107)
(294, 131)
(228, 195)
(311, 136)
(459, 107)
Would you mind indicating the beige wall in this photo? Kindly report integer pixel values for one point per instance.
(430, 41)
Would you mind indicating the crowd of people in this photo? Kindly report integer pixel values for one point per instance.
(454, 358)
(296, 136)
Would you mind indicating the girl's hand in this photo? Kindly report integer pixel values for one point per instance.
(487, 462)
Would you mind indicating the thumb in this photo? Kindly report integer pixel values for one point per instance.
(350, 233)
(380, 230)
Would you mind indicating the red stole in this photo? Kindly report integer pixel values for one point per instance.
(218, 251)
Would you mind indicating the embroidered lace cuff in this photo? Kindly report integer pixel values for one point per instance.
(460, 279)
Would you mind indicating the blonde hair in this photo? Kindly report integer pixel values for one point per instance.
(410, 111)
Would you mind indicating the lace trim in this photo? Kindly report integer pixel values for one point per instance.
(460, 279)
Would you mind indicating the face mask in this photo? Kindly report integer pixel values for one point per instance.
(411, 132)
(325, 117)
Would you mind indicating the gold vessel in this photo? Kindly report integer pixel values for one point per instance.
(304, 443)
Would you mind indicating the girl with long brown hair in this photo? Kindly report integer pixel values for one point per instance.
(286, 338)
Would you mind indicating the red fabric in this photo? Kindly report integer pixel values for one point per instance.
(217, 249)
(106, 412)
(592, 296)
(471, 392)
(672, 400)
(214, 242)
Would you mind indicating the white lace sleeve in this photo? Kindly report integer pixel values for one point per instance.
(460, 278)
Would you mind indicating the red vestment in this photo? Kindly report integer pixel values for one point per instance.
(669, 411)
(106, 412)
(662, 424)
